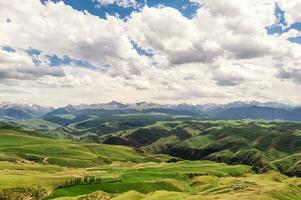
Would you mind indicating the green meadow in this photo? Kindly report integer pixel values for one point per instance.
(38, 166)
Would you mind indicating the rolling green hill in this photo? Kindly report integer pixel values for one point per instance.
(18, 144)
(264, 145)
(261, 144)
(163, 160)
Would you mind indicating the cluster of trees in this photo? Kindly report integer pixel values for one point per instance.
(79, 181)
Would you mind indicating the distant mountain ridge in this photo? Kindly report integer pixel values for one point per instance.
(235, 110)
(22, 111)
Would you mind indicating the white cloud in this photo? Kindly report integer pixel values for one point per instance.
(56, 28)
(222, 54)
(236, 30)
(19, 66)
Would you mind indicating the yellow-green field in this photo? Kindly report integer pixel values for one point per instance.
(181, 180)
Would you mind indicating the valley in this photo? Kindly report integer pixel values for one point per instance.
(151, 157)
(117, 154)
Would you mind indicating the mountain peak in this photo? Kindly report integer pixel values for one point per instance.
(115, 103)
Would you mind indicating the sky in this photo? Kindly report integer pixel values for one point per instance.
(55, 52)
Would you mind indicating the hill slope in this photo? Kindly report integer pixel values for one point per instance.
(19, 145)
(35, 166)
(264, 145)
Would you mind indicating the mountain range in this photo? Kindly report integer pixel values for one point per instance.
(235, 110)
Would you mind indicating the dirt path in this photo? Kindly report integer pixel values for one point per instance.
(45, 160)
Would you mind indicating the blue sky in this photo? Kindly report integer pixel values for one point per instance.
(184, 6)
(282, 26)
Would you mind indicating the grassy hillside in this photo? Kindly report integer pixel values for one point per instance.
(17, 144)
(189, 180)
(37, 166)
(38, 125)
(264, 145)
(89, 126)
(181, 180)
(150, 177)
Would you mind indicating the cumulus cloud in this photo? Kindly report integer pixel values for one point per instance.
(19, 65)
(234, 29)
(231, 74)
(223, 53)
(56, 28)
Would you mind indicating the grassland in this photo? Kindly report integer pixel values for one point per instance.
(18, 145)
(189, 180)
(29, 159)
(261, 144)
(181, 180)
